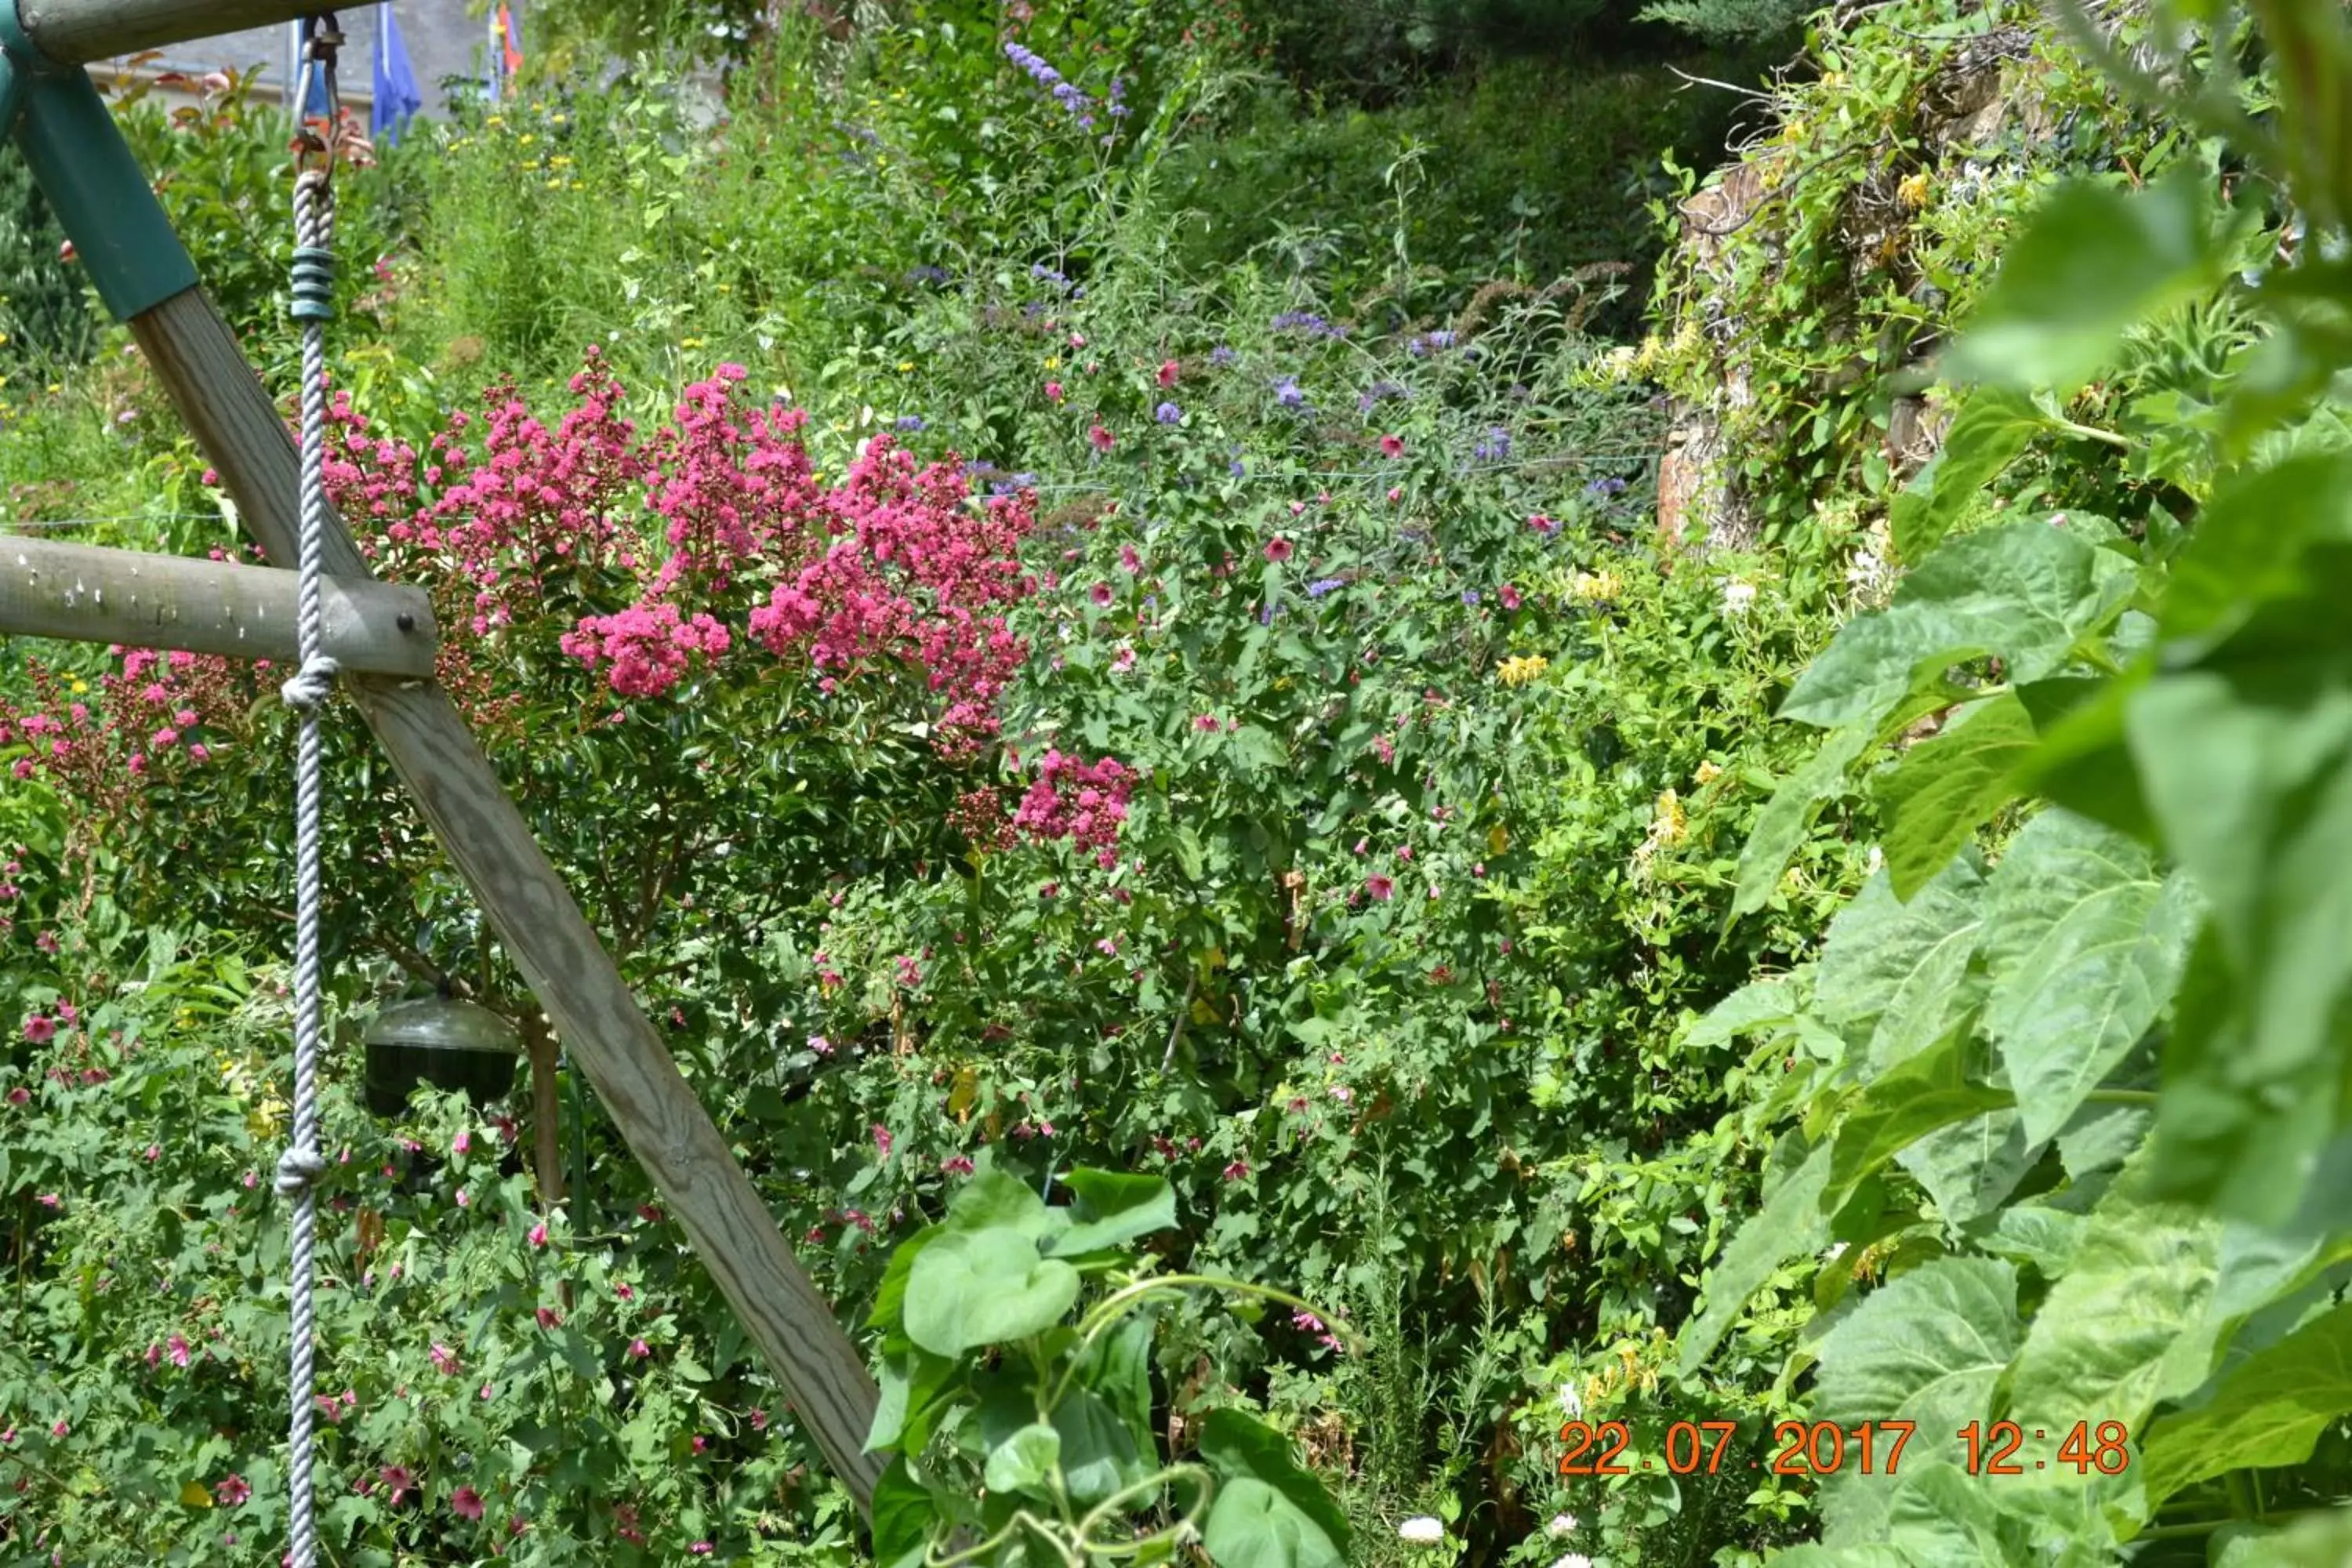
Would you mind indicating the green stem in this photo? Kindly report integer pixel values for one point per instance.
(2146, 1097)
(1111, 1308)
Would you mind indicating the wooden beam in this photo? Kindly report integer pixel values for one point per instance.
(195, 356)
(86, 594)
(76, 32)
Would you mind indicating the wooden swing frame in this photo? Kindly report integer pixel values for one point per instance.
(383, 636)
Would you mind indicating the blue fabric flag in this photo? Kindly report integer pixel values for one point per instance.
(397, 97)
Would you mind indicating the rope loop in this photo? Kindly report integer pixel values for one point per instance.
(309, 689)
(299, 1170)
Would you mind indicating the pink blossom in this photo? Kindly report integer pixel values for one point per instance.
(445, 1359)
(1101, 594)
(1099, 438)
(549, 1318)
(462, 1143)
(48, 1200)
(40, 1030)
(1277, 550)
(179, 1347)
(539, 1234)
(398, 1479)
(1392, 445)
(1168, 373)
(1509, 594)
(957, 1166)
(639, 1349)
(1052, 391)
(1380, 886)
(232, 1490)
(465, 1503)
(1237, 1169)
(881, 1140)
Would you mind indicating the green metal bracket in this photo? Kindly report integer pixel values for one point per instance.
(94, 186)
(12, 93)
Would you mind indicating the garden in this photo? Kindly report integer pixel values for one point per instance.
(1515, 783)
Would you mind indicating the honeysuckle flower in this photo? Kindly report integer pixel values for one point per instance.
(1574, 1559)
(232, 1490)
(1739, 597)
(1422, 1529)
(1562, 1524)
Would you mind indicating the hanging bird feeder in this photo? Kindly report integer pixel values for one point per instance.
(440, 1041)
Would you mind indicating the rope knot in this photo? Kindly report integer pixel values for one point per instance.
(299, 1170)
(312, 685)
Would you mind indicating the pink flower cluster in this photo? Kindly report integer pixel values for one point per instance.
(656, 546)
(647, 645)
(1079, 801)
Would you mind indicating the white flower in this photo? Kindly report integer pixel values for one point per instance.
(1835, 1251)
(1562, 1524)
(1574, 1559)
(1423, 1531)
(1570, 1401)
(1873, 861)
(1738, 597)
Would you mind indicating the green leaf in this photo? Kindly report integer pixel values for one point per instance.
(1928, 1348)
(1120, 1372)
(1970, 1167)
(1780, 827)
(903, 1516)
(1251, 1525)
(2083, 762)
(2093, 261)
(1237, 1446)
(971, 1289)
(2118, 1330)
(2268, 1411)
(1023, 1461)
(2027, 592)
(890, 1297)
(1789, 1222)
(1991, 428)
(2085, 943)
(1925, 1092)
(2245, 756)
(2252, 541)
(1904, 969)
(1112, 1208)
(1099, 1454)
(910, 1379)
(1943, 789)
(990, 1199)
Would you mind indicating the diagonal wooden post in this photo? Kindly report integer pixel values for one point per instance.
(195, 356)
(76, 151)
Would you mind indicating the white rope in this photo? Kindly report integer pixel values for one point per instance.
(301, 1166)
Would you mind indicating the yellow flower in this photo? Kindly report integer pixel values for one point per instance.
(526, 139)
(1707, 773)
(906, 367)
(80, 687)
(1053, 362)
(1594, 588)
(1667, 826)
(689, 342)
(1519, 671)
(1914, 190)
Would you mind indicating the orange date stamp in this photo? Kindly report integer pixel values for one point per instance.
(1828, 1448)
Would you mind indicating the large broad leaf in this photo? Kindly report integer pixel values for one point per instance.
(1112, 1208)
(2269, 1411)
(1990, 430)
(2245, 757)
(2252, 541)
(1251, 1525)
(2322, 1541)
(2120, 1330)
(972, 1288)
(1946, 788)
(1927, 1091)
(992, 1199)
(2093, 261)
(2085, 941)
(2027, 592)
(1236, 1447)
(909, 1380)
(1970, 1166)
(1903, 968)
(1928, 1348)
(890, 1298)
(1789, 1222)
(1780, 827)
